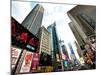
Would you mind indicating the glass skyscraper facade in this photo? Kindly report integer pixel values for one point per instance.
(55, 46)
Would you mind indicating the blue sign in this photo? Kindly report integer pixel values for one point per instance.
(72, 52)
(70, 46)
(30, 47)
(65, 63)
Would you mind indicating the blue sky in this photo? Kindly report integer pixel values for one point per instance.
(52, 13)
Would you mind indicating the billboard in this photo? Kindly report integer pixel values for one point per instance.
(65, 63)
(22, 38)
(35, 62)
(15, 53)
(26, 62)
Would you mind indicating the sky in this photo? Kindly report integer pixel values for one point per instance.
(88, 2)
(52, 13)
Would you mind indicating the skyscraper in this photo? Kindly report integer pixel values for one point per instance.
(44, 41)
(84, 18)
(44, 48)
(83, 24)
(34, 19)
(76, 33)
(56, 56)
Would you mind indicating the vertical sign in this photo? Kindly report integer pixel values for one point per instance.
(15, 53)
(27, 62)
(35, 61)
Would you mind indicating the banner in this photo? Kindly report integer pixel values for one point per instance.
(35, 62)
(15, 53)
(27, 62)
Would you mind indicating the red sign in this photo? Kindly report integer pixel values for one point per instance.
(33, 42)
(23, 37)
(27, 62)
(15, 52)
(35, 61)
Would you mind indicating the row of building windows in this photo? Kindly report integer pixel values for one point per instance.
(44, 46)
(45, 43)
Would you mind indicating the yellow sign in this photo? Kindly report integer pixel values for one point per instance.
(45, 69)
(89, 58)
(81, 60)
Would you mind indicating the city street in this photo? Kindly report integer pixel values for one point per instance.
(52, 37)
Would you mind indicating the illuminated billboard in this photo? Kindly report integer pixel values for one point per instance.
(15, 53)
(26, 62)
(23, 38)
(35, 62)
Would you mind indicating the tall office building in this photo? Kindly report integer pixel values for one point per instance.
(84, 20)
(34, 19)
(44, 48)
(78, 38)
(76, 33)
(56, 55)
(44, 41)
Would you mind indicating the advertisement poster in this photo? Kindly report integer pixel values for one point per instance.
(15, 53)
(27, 62)
(35, 62)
